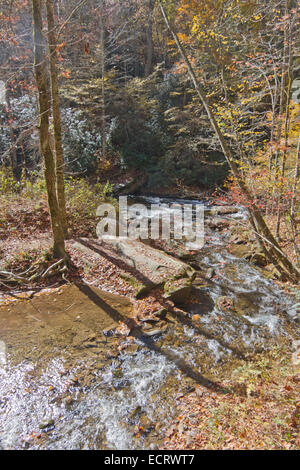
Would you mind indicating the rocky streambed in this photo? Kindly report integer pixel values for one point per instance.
(79, 370)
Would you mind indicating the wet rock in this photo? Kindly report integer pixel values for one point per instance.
(132, 348)
(153, 446)
(149, 320)
(222, 210)
(161, 313)
(146, 423)
(91, 344)
(155, 332)
(178, 291)
(210, 273)
(113, 353)
(46, 423)
(100, 365)
(294, 311)
(117, 373)
(158, 426)
(74, 380)
(136, 412)
(169, 318)
(259, 259)
(68, 401)
(240, 250)
(83, 337)
(109, 331)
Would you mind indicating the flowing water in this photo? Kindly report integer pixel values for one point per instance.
(59, 389)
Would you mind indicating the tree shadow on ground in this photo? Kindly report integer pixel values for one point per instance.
(181, 317)
(149, 343)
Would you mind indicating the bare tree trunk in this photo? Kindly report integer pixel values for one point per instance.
(286, 79)
(149, 38)
(60, 184)
(273, 250)
(296, 178)
(282, 102)
(40, 70)
(14, 159)
(102, 39)
(294, 222)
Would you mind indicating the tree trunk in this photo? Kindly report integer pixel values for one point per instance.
(149, 39)
(294, 221)
(60, 184)
(287, 86)
(14, 158)
(41, 78)
(102, 39)
(275, 254)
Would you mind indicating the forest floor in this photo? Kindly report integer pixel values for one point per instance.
(264, 413)
(261, 412)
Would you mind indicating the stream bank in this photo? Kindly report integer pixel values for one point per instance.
(85, 369)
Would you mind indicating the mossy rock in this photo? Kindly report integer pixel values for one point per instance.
(142, 290)
(259, 259)
(178, 290)
(161, 313)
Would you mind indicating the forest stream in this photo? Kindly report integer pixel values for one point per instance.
(63, 386)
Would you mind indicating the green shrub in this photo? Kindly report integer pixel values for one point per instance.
(8, 184)
(82, 202)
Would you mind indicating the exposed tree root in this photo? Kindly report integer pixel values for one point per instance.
(35, 272)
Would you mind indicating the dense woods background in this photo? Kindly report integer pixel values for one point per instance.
(126, 98)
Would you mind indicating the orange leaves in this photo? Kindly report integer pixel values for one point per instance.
(60, 46)
(184, 38)
(66, 73)
(13, 41)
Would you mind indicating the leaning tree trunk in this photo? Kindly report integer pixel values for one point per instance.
(41, 78)
(60, 184)
(271, 246)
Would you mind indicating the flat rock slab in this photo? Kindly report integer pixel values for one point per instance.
(151, 267)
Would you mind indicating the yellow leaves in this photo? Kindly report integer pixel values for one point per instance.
(183, 38)
(269, 116)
